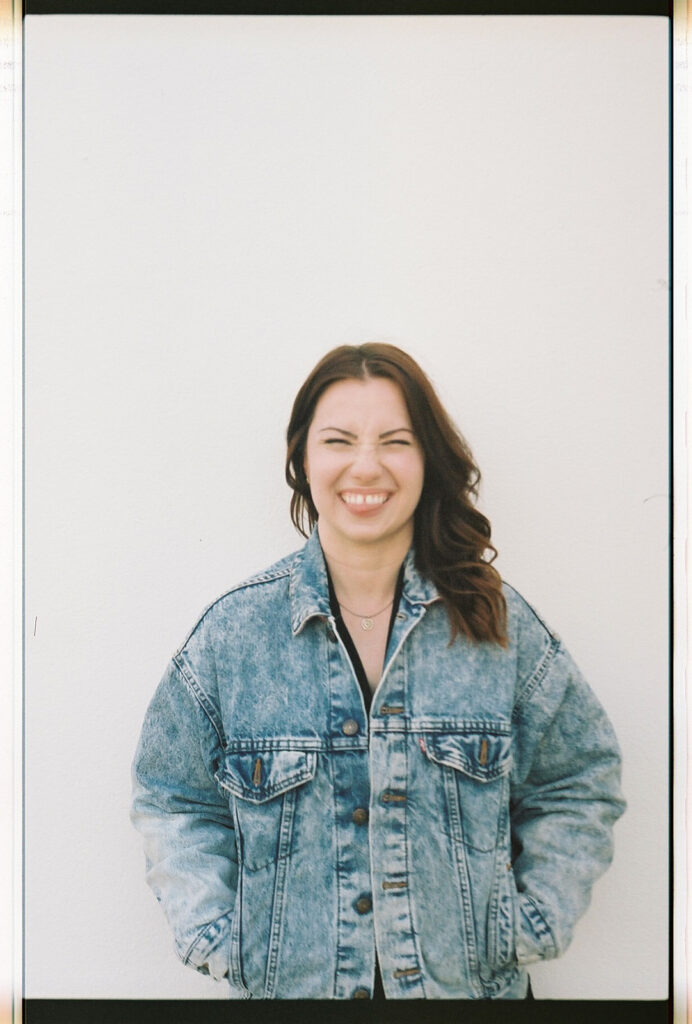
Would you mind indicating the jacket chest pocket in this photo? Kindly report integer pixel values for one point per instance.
(474, 769)
(265, 785)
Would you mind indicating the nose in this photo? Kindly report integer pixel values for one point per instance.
(366, 462)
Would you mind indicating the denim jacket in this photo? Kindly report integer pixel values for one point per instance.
(457, 829)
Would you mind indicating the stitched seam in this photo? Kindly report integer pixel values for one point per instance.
(203, 934)
(536, 678)
(299, 743)
(202, 699)
(538, 618)
(331, 767)
(541, 915)
(472, 726)
(279, 902)
(468, 769)
(461, 874)
(407, 865)
(283, 785)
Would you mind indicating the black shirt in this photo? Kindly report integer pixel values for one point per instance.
(346, 636)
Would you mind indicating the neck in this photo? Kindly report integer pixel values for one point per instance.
(364, 578)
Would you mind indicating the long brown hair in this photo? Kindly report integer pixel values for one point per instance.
(451, 537)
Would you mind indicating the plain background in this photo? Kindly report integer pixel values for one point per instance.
(211, 204)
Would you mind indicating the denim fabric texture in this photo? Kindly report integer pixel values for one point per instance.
(458, 828)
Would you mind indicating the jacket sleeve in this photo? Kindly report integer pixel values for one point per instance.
(186, 824)
(565, 798)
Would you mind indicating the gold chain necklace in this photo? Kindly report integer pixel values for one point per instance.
(366, 622)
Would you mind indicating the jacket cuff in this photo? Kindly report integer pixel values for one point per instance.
(209, 953)
(534, 940)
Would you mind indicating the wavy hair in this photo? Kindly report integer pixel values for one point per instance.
(451, 537)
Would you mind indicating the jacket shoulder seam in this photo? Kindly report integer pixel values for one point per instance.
(551, 632)
(200, 697)
(536, 677)
(527, 687)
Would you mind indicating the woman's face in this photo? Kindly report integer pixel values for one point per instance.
(365, 466)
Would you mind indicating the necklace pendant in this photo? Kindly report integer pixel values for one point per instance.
(366, 624)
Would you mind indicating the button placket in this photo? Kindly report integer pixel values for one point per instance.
(355, 926)
(389, 756)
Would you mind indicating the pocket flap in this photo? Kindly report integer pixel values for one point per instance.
(261, 775)
(483, 756)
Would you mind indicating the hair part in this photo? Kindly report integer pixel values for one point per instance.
(451, 537)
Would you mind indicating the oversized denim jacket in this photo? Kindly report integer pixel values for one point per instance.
(457, 829)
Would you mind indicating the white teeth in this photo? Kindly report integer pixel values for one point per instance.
(364, 499)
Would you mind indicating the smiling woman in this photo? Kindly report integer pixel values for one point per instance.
(364, 467)
(451, 536)
(372, 771)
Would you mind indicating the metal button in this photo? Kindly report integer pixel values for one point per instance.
(364, 905)
(350, 727)
(360, 816)
(361, 993)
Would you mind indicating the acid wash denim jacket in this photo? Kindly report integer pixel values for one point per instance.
(457, 829)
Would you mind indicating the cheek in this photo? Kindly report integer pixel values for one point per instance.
(418, 495)
(309, 461)
(320, 472)
(417, 477)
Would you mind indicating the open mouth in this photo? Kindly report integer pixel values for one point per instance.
(364, 501)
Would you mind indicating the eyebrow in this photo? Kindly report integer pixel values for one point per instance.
(348, 433)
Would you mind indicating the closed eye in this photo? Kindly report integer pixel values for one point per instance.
(399, 440)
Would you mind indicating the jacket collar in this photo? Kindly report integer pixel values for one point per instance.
(309, 589)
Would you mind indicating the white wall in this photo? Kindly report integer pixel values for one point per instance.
(211, 204)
